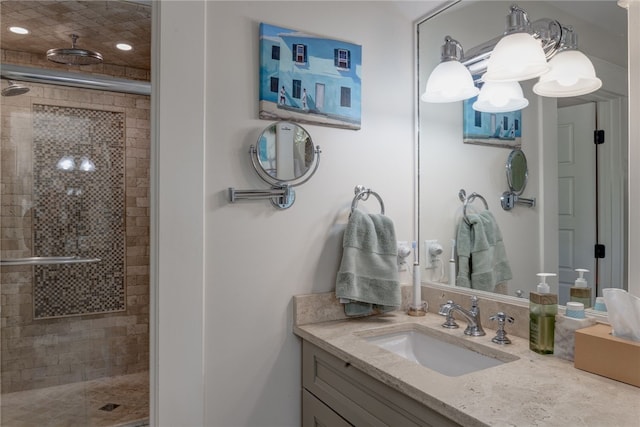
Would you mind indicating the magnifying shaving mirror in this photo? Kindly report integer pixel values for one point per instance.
(283, 154)
(284, 157)
(517, 174)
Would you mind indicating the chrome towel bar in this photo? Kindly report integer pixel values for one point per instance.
(47, 260)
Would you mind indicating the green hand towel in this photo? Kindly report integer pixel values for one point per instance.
(482, 258)
(368, 274)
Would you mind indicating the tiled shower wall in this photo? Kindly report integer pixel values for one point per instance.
(78, 209)
(43, 352)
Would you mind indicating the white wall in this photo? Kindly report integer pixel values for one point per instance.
(177, 261)
(227, 272)
(257, 258)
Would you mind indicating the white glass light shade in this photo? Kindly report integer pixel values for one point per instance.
(516, 57)
(500, 97)
(571, 74)
(450, 81)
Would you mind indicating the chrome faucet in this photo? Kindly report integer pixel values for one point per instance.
(474, 325)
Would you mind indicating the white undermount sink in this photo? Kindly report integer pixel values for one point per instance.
(440, 352)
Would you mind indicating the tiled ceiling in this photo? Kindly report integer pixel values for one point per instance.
(99, 25)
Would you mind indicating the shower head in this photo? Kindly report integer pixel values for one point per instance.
(14, 89)
(73, 55)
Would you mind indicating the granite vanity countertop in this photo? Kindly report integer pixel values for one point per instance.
(540, 390)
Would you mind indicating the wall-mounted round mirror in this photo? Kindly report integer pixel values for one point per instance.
(517, 173)
(284, 157)
(284, 154)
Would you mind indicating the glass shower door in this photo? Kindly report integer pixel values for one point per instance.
(74, 272)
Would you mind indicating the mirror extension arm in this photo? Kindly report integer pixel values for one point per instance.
(509, 199)
(281, 197)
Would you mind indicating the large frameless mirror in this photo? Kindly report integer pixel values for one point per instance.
(576, 208)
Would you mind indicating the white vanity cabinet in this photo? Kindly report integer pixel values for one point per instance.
(338, 394)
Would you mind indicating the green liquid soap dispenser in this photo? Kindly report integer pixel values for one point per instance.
(543, 307)
(580, 292)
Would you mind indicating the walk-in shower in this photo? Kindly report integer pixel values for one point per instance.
(74, 259)
(74, 221)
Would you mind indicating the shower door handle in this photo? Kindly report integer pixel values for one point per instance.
(47, 260)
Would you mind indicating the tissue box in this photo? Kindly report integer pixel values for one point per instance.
(599, 352)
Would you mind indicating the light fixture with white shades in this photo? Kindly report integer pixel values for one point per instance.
(450, 81)
(518, 55)
(572, 73)
(521, 53)
(500, 97)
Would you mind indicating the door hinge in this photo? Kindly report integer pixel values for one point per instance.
(598, 136)
(599, 251)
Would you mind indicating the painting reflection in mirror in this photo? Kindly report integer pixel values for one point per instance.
(493, 129)
(540, 239)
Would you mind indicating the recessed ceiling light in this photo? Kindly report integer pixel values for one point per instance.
(18, 30)
(124, 46)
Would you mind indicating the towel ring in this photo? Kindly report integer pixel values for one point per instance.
(462, 195)
(363, 193)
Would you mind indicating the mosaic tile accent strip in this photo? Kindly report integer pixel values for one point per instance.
(79, 210)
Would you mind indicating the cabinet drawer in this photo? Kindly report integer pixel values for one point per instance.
(317, 414)
(358, 398)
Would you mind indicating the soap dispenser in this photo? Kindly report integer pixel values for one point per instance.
(543, 307)
(580, 292)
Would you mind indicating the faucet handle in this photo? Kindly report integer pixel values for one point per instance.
(475, 308)
(501, 318)
(474, 301)
(501, 334)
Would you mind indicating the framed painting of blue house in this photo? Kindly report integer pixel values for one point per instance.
(309, 79)
(494, 129)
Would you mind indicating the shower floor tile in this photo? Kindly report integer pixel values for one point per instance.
(78, 404)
